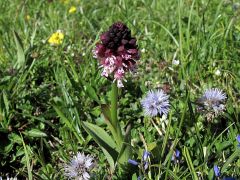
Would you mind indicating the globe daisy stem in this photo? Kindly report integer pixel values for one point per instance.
(114, 111)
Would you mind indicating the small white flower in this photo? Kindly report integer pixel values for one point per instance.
(175, 62)
(143, 50)
(79, 167)
(69, 47)
(217, 72)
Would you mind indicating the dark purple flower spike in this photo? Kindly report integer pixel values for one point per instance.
(117, 52)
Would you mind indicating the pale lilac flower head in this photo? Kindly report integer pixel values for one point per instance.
(79, 167)
(117, 52)
(156, 102)
(212, 102)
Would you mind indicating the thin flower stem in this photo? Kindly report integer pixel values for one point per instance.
(114, 115)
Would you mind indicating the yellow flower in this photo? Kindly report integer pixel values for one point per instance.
(72, 9)
(56, 38)
(27, 17)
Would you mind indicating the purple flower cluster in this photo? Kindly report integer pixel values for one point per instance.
(117, 52)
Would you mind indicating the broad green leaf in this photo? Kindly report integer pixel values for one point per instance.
(107, 116)
(35, 133)
(106, 112)
(15, 138)
(6, 147)
(101, 138)
(20, 52)
(125, 152)
(109, 159)
(92, 93)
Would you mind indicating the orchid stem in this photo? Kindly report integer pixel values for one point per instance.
(114, 113)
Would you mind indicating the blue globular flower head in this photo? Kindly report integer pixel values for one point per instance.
(133, 162)
(79, 167)
(212, 103)
(145, 155)
(155, 102)
(216, 171)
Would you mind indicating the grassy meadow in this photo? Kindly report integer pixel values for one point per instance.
(54, 102)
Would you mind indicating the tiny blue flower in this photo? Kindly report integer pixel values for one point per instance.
(145, 155)
(176, 155)
(156, 102)
(133, 162)
(145, 165)
(216, 171)
(238, 138)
